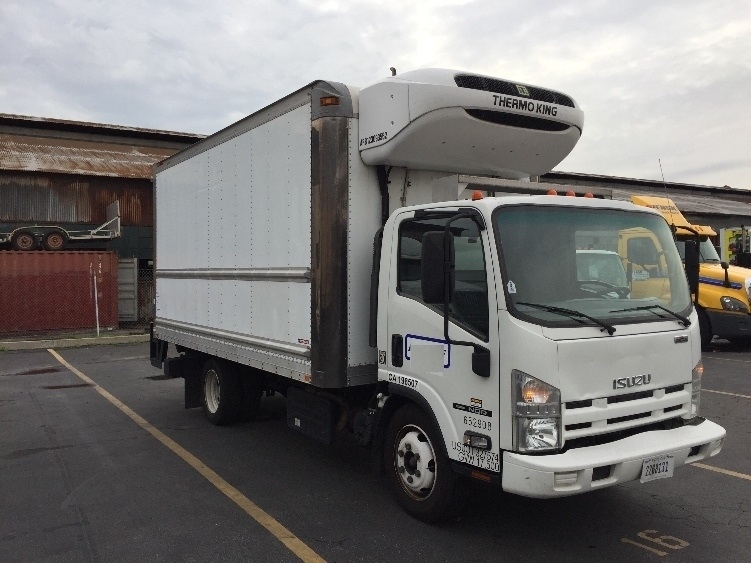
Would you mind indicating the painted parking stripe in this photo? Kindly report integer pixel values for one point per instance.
(726, 393)
(723, 471)
(292, 542)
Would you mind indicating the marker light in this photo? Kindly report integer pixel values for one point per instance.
(477, 194)
(330, 101)
(552, 192)
(696, 374)
(571, 193)
(589, 194)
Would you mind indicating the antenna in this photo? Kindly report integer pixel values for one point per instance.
(665, 189)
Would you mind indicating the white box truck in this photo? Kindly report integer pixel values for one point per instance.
(342, 247)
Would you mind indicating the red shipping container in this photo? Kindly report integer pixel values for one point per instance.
(42, 291)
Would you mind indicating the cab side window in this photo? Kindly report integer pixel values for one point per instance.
(469, 306)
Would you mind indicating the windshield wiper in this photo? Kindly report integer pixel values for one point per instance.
(680, 318)
(570, 313)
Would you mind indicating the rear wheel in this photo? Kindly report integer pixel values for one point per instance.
(54, 240)
(221, 392)
(24, 240)
(417, 466)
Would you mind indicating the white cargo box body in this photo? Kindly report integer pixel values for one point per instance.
(264, 237)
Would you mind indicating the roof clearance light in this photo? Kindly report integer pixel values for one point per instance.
(477, 194)
(588, 194)
(552, 192)
(571, 193)
(329, 101)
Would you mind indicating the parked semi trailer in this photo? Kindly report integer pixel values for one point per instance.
(55, 237)
(723, 297)
(339, 247)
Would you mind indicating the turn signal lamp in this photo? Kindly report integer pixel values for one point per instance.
(535, 391)
(475, 440)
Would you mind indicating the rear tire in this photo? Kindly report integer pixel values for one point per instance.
(24, 240)
(417, 466)
(54, 240)
(221, 392)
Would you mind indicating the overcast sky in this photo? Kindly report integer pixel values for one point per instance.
(657, 79)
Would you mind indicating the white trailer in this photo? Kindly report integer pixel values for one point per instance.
(343, 247)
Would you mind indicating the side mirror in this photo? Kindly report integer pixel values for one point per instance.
(692, 265)
(436, 269)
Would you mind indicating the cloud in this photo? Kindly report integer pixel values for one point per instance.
(662, 80)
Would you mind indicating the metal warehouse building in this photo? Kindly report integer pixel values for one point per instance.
(66, 173)
(718, 207)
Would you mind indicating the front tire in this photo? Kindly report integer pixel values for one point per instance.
(221, 392)
(417, 466)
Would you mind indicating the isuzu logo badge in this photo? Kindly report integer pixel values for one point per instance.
(635, 381)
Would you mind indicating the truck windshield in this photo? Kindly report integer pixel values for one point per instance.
(568, 266)
(707, 251)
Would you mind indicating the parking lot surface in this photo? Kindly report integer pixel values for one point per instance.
(100, 462)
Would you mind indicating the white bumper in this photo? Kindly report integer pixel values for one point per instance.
(547, 476)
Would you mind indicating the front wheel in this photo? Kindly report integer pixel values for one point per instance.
(417, 466)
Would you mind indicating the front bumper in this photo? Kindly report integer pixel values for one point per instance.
(616, 462)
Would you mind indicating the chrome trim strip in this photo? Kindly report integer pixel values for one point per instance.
(246, 274)
(274, 345)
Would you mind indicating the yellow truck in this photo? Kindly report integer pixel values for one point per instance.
(724, 294)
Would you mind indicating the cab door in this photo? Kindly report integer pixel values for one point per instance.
(421, 360)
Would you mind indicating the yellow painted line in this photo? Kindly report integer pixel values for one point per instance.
(723, 471)
(292, 542)
(726, 393)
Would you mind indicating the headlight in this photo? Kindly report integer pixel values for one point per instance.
(731, 304)
(537, 414)
(696, 374)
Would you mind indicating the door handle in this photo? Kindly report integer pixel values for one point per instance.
(397, 350)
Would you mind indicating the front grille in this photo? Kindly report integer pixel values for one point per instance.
(600, 439)
(510, 89)
(618, 413)
(578, 404)
(516, 120)
(630, 397)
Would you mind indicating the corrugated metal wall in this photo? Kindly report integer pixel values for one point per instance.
(62, 198)
(55, 290)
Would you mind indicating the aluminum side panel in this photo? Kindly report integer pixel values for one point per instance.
(257, 308)
(243, 203)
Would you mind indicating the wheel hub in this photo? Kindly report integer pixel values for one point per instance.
(415, 463)
(212, 391)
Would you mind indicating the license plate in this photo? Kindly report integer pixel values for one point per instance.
(657, 468)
